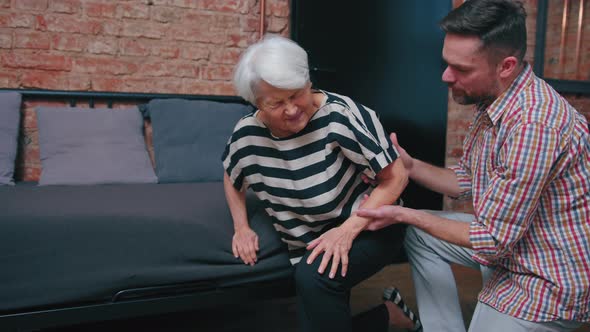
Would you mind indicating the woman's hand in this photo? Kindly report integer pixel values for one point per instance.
(245, 245)
(335, 244)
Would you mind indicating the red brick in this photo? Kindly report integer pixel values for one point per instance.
(208, 88)
(67, 23)
(134, 47)
(196, 52)
(96, 9)
(239, 39)
(167, 69)
(250, 24)
(4, 3)
(142, 29)
(103, 45)
(191, 34)
(5, 40)
(107, 84)
(65, 6)
(230, 6)
(226, 55)
(111, 27)
(197, 20)
(79, 83)
(104, 66)
(179, 3)
(277, 24)
(166, 14)
(9, 79)
(167, 85)
(137, 11)
(44, 80)
(278, 8)
(166, 50)
(31, 172)
(36, 60)
(218, 73)
(35, 5)
(29, 118)
(31, 40)
(67, 42)
(16, 20)
(225, 22)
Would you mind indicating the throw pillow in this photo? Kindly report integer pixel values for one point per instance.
(189, 137)
(92, 146)
(9, 121)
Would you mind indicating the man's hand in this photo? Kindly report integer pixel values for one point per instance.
(335, 244)
(385, 215)
(403, 154)
(245, 245)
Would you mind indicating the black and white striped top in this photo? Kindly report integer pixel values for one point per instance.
(309, 182)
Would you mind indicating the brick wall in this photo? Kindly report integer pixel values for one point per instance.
(164, 46)
(175, 46)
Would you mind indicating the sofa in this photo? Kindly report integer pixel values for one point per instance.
(128, 217)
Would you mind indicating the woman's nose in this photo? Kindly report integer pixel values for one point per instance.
(290, 108)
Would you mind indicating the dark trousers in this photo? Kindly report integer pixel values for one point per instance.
(323, 303)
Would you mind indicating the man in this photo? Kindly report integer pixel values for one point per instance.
(526, 165)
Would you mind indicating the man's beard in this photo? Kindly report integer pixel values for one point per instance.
(465, 99)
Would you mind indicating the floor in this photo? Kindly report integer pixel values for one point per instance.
(279, 315)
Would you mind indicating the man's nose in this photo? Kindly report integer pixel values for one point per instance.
(447, 75)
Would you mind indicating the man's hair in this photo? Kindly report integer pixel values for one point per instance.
(500, 24)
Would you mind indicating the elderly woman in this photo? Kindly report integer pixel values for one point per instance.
(302, 153)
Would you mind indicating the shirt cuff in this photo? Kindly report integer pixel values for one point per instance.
(464, 182)
(380, 161)
(484, 245)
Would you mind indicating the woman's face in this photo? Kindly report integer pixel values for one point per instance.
(284, 112)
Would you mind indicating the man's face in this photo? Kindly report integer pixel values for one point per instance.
(469, 73)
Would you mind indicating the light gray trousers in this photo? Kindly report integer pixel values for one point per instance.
(436, 291)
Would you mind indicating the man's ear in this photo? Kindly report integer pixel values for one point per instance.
(507, 67)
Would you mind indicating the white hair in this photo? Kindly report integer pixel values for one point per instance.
(276, 60)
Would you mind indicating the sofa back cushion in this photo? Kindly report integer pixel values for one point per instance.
(92, 146)
(9, 122)
(189, 137)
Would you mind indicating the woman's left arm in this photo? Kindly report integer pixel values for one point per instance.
(336, 243)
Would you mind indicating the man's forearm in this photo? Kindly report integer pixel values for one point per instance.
(438, 179)
(449, 230)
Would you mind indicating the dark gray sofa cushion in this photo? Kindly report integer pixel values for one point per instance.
(92, 146)
(9, 122)
(63, 245)
(189, 137)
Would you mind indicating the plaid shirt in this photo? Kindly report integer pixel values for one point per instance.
(526, 164)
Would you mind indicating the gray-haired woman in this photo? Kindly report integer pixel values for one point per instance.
(302, 153)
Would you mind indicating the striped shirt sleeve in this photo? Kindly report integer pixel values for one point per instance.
(363, 140)
(515, 188)
(231, 162)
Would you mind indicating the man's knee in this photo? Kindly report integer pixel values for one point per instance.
(414, 238)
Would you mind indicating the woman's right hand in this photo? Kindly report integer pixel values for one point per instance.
(245, 245)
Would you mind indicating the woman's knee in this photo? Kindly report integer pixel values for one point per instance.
(307, 277)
